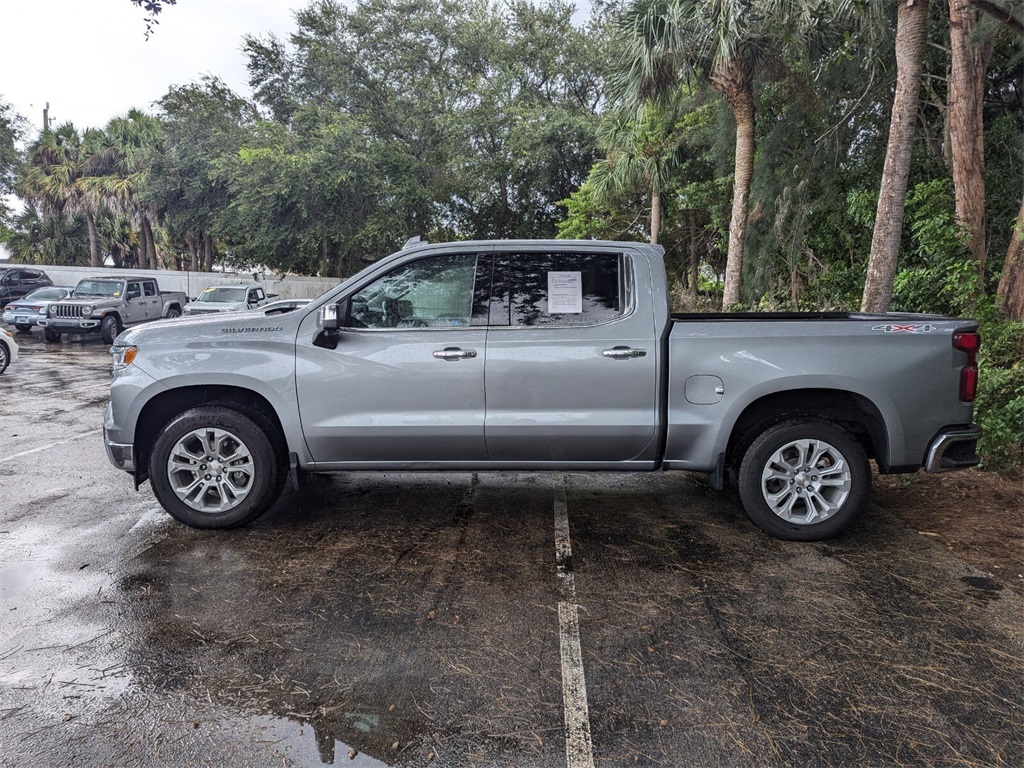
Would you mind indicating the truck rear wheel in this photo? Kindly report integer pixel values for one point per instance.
(110, 326)
(804, 480)
(215, 467)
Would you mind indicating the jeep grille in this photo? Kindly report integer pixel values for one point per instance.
(68, 311)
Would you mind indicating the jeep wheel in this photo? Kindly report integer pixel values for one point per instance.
(215, 467)
(110, 326)
(173, 312)
(804, 480)
(51, 335)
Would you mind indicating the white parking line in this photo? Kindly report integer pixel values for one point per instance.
(14, 456)
(579, 749)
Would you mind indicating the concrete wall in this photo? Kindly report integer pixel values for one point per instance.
(194, 283)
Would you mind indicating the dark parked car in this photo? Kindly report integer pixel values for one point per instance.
(15, 282)
(25, 312)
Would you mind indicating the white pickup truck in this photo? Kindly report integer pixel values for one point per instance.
(229, 298)
(539, 355)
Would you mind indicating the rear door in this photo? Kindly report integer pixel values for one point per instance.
(571, 359)
(405, 382)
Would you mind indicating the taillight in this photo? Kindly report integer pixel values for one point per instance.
(969, 343)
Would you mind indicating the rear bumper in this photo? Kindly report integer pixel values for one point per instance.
(953, 448)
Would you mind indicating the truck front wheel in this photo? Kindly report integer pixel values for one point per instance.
(110, 326)
(215, 467)
(804, 480)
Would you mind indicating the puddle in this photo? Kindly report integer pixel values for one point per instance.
(302, 744)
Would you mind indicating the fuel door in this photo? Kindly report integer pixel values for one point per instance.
(704, 390)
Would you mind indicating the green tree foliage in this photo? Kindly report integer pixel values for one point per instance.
(12, 127)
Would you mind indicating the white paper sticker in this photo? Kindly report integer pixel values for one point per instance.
(565, 293)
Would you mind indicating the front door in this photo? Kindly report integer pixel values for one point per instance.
(405, 383)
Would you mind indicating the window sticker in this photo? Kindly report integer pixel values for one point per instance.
(565, 293)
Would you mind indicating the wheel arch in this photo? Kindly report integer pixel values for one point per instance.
(854, 412)
(165, 406)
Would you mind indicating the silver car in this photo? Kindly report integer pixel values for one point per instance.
(25, 312)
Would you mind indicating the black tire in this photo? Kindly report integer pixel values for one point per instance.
(804, 480)
(5, 357)
(238, 446)
(110, 326)
(23, 327)
(51, 335)
(173, 312)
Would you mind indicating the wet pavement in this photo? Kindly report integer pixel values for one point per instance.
(448, 620)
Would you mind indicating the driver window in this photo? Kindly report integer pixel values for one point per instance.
(133, 291)
(434, 292)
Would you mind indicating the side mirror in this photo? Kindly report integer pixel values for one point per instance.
(328, 319)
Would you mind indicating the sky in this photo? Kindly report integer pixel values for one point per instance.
(91, 61)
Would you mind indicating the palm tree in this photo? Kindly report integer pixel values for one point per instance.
(60, 162)
(731, 44)
(642, 150)
(37, 238)
(724, 41)
(131, 142)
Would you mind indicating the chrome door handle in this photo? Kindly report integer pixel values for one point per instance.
(454, 353)
(624, 353)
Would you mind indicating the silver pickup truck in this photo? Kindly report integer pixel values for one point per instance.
(539, 355)
(108, 304)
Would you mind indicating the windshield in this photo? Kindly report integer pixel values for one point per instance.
(47, 294)
(98, 288)
(222, 294)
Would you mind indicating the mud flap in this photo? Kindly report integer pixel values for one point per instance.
(716, 477)
(296, 474)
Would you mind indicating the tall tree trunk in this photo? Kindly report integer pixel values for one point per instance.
(655, 214)
(970, 60)
(143, 244)
(736, 80)
(209, 253)
(94, 246)
(1010, 294)
(911, 36)
(694, 255)
(151, 257)
(193, 252)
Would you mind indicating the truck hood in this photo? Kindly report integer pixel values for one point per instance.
(216, 306)
(97, 301)
(203, 329)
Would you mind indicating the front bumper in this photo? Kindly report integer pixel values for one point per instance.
(121, 455)
(68, 325)
(953, 448)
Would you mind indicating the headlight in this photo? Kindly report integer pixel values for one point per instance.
(86, 310)
(53, 309)
(123, 356)
(42, 310)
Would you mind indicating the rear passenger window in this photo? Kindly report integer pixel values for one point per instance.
(559, 289)
(149, 288)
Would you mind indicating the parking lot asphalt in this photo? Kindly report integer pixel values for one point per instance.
(490, 619)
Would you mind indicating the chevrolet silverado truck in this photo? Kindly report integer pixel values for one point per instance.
(108, 305)
(229, 298)
(539, 355)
